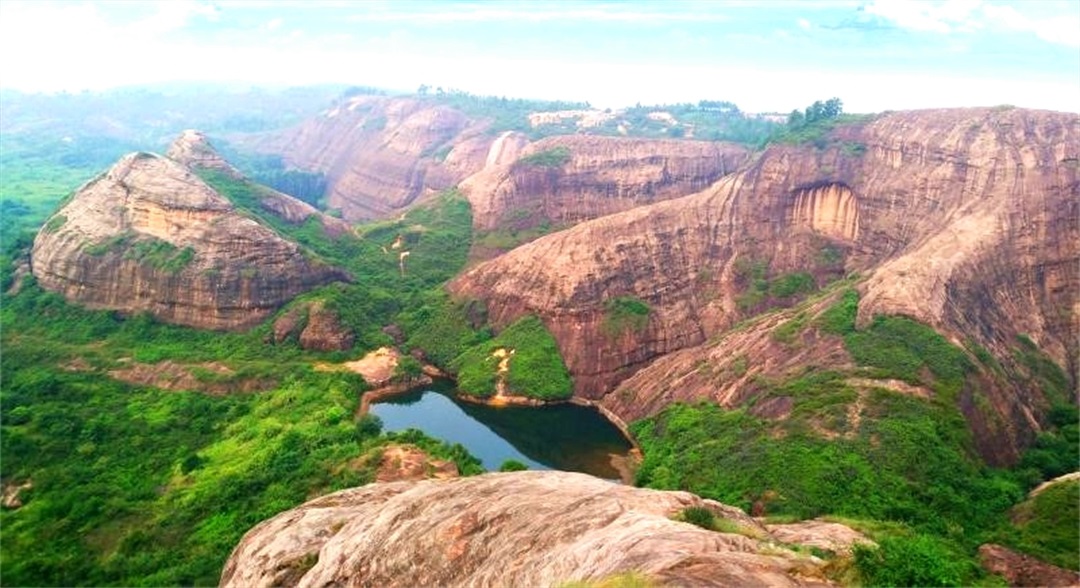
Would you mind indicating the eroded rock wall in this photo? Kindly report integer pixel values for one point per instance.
(382, 154)
(963, 219)
(599, 176)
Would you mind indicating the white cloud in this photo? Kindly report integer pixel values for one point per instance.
(507, 15)
(1060, 29)
(1059, 22)
(804, 24)
(937, 17)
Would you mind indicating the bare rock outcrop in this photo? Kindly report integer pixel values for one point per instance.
(964, 219)
(1019, 569)
(589, 177)
(515, 529)
(193, 150)
(382, 154)
(150, 235)
(314, 327)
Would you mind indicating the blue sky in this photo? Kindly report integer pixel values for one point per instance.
(764, 56)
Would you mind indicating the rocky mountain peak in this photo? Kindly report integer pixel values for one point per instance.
(150, 235)
(194, 150)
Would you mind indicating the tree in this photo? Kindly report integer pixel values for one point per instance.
(833, 108)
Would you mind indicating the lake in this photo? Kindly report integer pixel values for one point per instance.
(558, 437)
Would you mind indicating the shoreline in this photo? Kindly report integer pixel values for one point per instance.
(391, 390)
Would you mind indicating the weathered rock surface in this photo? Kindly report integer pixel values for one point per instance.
(601, 175)
(314, 326)
(193, 150)
(408, 463)
(149, 235)
(834, 537)
(966, 220)
(1019, 569)
(514, 529)
(381, 154)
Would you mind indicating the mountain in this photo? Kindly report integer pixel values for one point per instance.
(381, 154)
(965, 220)
(151, 235)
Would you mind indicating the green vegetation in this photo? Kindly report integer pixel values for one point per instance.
(760, 291)
(699, 516)
(133, 485)
(512, 465)
(918, 560)
(535, 368)
(625, 314)
(115, 243)
(55, 223)
(554, 157)
(160, 254)
(876, 455)
(1045, 526)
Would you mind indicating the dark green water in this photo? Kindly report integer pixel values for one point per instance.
(559, 437)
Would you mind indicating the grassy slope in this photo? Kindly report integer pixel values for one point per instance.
(908, 461)
(138, 486)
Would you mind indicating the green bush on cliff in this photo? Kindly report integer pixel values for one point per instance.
(919, 560)
(625, 314)
(535, 369)
(554, 157)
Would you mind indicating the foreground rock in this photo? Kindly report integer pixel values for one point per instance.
(151, 236)
(514, 529)
(1023, 570)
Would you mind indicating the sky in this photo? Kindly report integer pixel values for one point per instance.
(765, 56)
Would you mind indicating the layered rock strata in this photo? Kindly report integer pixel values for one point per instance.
(966, 220)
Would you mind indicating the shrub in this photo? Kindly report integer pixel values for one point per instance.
(921, 560)
(554, 157)
(368, 426)
(512, 465)
(625, 314)
(698, 515)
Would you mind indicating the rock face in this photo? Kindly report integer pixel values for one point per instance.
(315, 327)
(149, 235)
(599, 176)
(966, 220)
(512, 529)
(1023, 570)
(193, 150)
(381, 154)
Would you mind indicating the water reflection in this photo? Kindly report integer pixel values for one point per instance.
(562, 437)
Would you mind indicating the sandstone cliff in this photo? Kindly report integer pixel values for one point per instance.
(590, 176)
(150, 235)
(966, 220)
(381, 154)
(514, 529)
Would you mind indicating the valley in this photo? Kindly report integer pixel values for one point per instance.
(867, 321)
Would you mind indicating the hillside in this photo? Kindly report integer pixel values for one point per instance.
(870, 318)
